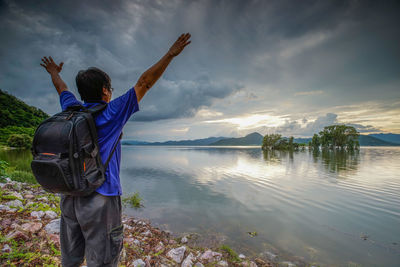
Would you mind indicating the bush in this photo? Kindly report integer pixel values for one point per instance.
(20, 141)
(133, 200)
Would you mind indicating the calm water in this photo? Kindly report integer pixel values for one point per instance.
(334, 209)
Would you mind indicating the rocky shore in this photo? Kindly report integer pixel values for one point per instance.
(29, 225)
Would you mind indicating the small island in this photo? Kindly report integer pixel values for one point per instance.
(331, 137)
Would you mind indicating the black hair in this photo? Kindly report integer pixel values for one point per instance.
(90, 84)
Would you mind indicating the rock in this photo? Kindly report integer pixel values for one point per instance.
(127, 227)
(138, 263)
(55, 238)
(33, 227)
(172, 242)
(4, 207)
(287, 264)
(199, 264)
(15, 203)
(177, 254)
(222, 264)
(44, 199)
(49, 214)
(37, 214)
(29, 196)
(53, 227)
(5, 223)
(17, 195)
(260, 262)
(136, 242)
(17, 235)
(249, 264)
(210, 256)
(184, 240)
(6, 249)
(188, 262)
(270, 255)
(2, 185)
(146, 233)
(241, 256)
(17, 186)
(159, 247)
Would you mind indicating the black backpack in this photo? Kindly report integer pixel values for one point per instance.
(66, 154)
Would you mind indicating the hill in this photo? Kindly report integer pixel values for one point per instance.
(14, 112)
(368, 140)
(253, 139)
(16, 117)
(389, 137)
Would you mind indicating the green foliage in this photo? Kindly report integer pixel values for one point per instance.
(277, 142)
(315, 142)
(19, 140)
(232, 254)
(133, 200)
(5, 132)
(22, 176)
(270, 141)
(3, 167)
(14, 112)
(339, 136)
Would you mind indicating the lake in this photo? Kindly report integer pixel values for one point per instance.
(328, 208)
(331, 208)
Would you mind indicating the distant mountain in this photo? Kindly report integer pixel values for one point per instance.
(368, 140)
(196, 142)
(389, 137)
(133, 142)
(249, 140)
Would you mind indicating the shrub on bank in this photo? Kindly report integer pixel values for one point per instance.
(20, 141)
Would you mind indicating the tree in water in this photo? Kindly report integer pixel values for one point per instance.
(338, 136)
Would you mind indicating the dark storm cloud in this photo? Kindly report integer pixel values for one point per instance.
(179, 99)
(279, 51)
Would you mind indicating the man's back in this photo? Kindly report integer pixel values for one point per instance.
(109, 124)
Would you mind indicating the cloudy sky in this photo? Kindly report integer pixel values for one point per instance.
(288, 67)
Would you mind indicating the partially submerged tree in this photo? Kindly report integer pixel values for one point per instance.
(338, 136)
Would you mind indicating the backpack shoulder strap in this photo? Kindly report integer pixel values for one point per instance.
(96, 108)
(112, 152)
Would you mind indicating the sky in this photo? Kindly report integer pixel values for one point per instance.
(288, 67)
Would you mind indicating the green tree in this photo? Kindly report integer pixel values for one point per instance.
(339, 136)
(270, 141)
(19, 140)
(315, 142)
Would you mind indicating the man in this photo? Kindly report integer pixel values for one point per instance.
(91, 226)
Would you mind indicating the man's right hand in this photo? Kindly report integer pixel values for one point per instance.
(51, 66)
(179, 44)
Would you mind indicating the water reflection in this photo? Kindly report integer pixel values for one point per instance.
(19, 158)
(338, 160)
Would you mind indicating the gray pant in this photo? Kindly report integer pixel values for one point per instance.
(91, 226)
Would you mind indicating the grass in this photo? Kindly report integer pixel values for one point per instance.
(133, 200)
(232, 254)
(22, 176)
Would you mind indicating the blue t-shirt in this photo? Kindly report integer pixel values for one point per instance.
(109, 124)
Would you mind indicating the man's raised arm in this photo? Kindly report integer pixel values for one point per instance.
(53, 69)
(150, 76)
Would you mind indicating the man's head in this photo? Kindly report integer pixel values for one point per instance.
(94, 85)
